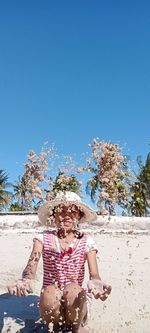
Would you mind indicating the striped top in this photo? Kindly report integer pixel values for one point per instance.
(62, 268)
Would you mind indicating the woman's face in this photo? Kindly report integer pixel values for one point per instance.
(67, 217)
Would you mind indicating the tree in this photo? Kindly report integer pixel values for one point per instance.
(138, 205)
(65, 182)
(93, 186)
(144, 177)
(22, 191)
(140, 190)
(110, 181)
(15, 207)
(41, 178)
(5, 195)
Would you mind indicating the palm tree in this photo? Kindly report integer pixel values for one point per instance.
(22, 192)
(66, 183)
(109, 183)
(15, 207)
(138, 206)
(92, 187)
(62, 182)
(5, 195)
(144, 177)
(140, 190)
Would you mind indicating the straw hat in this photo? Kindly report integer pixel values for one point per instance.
(66, 198)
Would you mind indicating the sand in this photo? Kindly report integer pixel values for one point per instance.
(124, 262)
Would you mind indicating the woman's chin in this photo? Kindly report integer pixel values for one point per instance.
(66, 228)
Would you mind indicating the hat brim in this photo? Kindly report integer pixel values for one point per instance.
(44, 211)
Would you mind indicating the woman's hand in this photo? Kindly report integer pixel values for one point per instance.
(99, 289)
(21, 288)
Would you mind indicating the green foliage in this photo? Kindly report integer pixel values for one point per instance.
(108, 186)
(138, 205)
(110, 182)
(15, 207)
(92, 187)
(62, 182)
(5, 195)
(144, 177)
(22, 191)
(140, 190)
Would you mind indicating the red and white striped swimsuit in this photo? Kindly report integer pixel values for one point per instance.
(62, 269)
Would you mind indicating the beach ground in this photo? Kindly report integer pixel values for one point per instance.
(124, 262)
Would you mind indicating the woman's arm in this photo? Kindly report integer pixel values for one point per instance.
(22, 287)
(92, 265)
(98, 288)
(31, 268)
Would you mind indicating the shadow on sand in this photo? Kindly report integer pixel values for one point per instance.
(20, 311)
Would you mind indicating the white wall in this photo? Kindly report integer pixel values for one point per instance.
(104, 223)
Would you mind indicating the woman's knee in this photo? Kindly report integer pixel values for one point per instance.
(72, 292)
(75, 304)
(50, 298)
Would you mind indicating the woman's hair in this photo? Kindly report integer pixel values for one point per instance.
(81, 214)
(78, 234)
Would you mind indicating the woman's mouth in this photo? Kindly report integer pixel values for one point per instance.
(68, 220)
(67, 223)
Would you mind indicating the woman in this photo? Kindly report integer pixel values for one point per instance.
(63, 300)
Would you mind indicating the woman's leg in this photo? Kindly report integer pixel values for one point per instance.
(75, 306)
(50, 305)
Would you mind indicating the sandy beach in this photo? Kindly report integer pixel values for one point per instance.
(124, 261)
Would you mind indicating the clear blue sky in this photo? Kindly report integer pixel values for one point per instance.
(71, 71)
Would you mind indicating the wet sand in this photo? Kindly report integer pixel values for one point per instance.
(124, 262)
